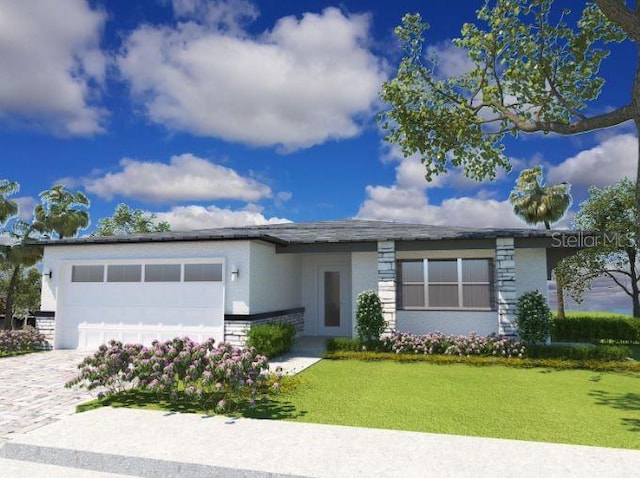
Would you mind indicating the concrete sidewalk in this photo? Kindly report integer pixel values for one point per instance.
(152, 443)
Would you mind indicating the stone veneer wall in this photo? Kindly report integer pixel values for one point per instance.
(235, 330)
(46, 325)
(506, 286)
(387, 281)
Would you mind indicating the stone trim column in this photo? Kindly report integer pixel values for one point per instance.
(506, 286)
(387, 281)
(46, 325)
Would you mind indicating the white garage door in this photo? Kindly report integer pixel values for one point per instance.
(138, 302)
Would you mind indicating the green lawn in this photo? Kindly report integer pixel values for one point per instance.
(569, 406)
(593, 313)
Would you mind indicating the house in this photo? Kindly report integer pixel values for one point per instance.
(218, 282)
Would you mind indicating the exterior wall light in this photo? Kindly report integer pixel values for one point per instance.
(48, 274)
(235, 273)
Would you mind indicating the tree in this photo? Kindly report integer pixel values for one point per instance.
(27, 289)
(535, 202)
(18, 254)
(8, 207)
(535, 68)
(126, 220)
(611, 210)
(62, 212)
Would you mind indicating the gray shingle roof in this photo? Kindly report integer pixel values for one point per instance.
(336, 231)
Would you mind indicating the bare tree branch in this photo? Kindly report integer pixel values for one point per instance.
(604, 120)
(619, 13)
(622, 286)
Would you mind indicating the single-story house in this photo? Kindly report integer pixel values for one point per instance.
(218, 282)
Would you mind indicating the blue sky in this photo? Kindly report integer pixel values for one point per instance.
(237, 112)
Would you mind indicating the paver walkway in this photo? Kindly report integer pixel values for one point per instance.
(32, 392)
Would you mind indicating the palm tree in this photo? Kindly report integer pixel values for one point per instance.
(536, 202)
(8, 207)
(62, 212)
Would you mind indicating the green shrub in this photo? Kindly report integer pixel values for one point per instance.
(271, 339)
(554, 363)
(578, 352)
(343, 343)
(533, 318)
(590, 328)
(369, 319)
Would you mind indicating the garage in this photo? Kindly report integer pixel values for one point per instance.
(139, 301)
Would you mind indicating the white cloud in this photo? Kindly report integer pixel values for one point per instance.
(51, 62)
(407, 199)
(186, 177)
(412, 205)
(451, 61)
(225, 15)
(25, 206)
(616, 157)
(183, 218)
(604, 295)
(306, 81)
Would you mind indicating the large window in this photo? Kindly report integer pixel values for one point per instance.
(445, 284)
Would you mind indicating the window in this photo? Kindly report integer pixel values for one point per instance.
(124, 273)
(162, 273)
(202, 272)
(87, 273)
(445, 284)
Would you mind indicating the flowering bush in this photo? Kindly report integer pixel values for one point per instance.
(220, 374)
(463, 345)
(27, 340)
(111, 367)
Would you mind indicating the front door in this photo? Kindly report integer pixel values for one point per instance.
(334, 300)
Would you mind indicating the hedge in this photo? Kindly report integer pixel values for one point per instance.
(271, 339)
(615, 329)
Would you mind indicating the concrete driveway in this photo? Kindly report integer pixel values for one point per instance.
(32, 392)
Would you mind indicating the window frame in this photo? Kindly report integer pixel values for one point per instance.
(460, 283)
(80, 267)
(114, 267)
(186, 275)
(169, 266)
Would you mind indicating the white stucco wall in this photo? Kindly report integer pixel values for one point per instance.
(275, 279)
(447, 321)
(531, 271)
(447, 254)
(234, 253)
(364, 276)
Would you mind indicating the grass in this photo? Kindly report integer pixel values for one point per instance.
(19, 352)
(564, 406)
(541, 404)
(593, 313)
